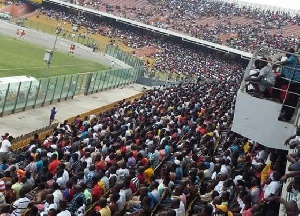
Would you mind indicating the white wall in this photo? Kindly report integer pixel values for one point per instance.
(257, 119)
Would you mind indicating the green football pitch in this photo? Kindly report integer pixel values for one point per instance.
(24, 58)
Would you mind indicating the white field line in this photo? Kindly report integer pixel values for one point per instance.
(54, 66)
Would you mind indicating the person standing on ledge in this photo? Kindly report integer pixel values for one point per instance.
(52, 115)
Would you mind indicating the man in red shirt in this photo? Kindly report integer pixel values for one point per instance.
(97, 190)
(54, 164)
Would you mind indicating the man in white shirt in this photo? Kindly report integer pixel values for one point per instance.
(58, 196)
(219, 186)
(21, 204)
(6, 145)
(265, 79)
(63, 209)
(122, 171)
(254, 190)
(49, 204)
(175, 204)
(223, 169)
(60, 178)
(272, 189)
(87, 158)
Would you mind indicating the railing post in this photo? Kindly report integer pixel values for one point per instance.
(37, 94)
(54, 90)
(69, 87)
(104, 81)
(95, 81)
(27, 96)
(74, 92)
(17, 97)
(46, 92)
(62, 89)
(4, 102)
(88, 83)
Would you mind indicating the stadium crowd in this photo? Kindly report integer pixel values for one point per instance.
(154, 154)
(184, 127)
(173, 57)
(244, 26)
(157, 152)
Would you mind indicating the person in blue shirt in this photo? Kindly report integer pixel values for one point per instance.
(290, 76)
(52, 115)
(4, 164)
(39, 163)
(178, 170)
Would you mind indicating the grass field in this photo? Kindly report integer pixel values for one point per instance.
(49, 25)
(23, 58)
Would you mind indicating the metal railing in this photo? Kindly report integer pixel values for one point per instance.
(24, 95)
(30, 94)
(292, 85)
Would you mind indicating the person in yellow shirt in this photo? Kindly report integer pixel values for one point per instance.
(105, 210)
(148, 173)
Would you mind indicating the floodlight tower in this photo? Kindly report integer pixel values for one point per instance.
(49, 53)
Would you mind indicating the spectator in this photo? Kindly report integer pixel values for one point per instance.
(78, 199)
(290, 76)
(105, 210)
(63, 209)
(49, 204)
(52, 115)
(20, 205)
(265, 79)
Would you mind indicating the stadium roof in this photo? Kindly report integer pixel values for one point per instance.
(184, 37)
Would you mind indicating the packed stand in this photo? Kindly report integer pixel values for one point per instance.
(173, 58)
(184, 127)
(210, 20)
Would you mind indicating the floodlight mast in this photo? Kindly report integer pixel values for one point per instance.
(49, 53)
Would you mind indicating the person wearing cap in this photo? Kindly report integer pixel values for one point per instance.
(178, 170)
(48, 141)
